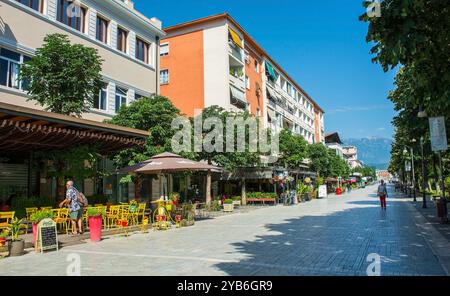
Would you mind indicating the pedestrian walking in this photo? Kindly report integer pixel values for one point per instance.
(349, 187)
(75, 203)
(383, 194)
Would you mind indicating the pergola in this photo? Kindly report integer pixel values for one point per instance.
(25, 129)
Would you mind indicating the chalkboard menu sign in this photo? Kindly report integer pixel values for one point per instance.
(47, 237)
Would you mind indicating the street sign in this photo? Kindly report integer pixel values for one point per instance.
(323, 191)
(438, 134)
(408, 166)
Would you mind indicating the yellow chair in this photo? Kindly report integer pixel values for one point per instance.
(98, 205)
(62, 219)
(30, 211)
(112, 216)
(46, 208)
(5, 221)
(138, 215)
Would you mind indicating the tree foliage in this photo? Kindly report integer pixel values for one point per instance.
(293, 149)
(414, 37)
(63, 77)
(154, 114)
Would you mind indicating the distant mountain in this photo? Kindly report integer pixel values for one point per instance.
(374, 152)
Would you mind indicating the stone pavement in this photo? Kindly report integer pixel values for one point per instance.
(332, 236)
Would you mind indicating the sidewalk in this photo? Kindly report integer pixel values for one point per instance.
(436, 234)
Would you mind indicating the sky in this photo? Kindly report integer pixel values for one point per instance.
(321, 44)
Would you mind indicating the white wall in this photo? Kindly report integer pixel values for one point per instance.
(216, 65)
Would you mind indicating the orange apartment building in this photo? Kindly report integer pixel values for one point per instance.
(214, 61)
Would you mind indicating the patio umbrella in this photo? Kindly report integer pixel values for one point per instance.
(167, 163)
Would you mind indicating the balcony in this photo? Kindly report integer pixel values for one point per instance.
(236, 52)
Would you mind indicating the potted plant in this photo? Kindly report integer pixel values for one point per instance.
(17, 246)
(95, 217)
(237, 201)
(228, 205)
(37, 217)
(3, 236)
(302, 192)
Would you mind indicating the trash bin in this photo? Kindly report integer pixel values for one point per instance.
(338, 191)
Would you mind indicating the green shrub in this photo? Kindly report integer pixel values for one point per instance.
(215, 206)
(228, 202)
(236, 198)
(41, 215)
(4, 234)
(260, 195)
(94, 212)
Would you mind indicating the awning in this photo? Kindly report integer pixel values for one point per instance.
(236, 38)
(271, 72)
(272, 94)
(271, 113)
(25, 129)
(238, 95)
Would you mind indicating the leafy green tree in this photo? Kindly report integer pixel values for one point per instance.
(319, 158)
(229, 160)
(154, 114)
(63, 77)
(293, 149)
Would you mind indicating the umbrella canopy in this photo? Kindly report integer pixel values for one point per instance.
(169, 163)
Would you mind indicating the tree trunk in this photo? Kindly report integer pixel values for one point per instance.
(138, 188)
(243, 193)
(208, 188)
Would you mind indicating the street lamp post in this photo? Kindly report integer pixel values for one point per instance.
(413, 175)
(424, 181)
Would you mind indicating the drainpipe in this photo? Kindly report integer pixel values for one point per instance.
(157, 64)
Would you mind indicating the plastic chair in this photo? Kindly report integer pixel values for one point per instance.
(29, 212)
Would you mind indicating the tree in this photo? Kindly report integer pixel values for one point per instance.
(293, 149)
(63, 77)
(338, 167)
(319, 157)
(229, 160)
(154, 114)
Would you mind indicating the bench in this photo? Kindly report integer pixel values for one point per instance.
(262, 200)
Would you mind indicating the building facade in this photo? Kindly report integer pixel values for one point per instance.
(333, 141)
(214, 61)
(127, 41)
(351, 155)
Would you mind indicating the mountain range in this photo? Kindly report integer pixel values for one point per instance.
(375, 152)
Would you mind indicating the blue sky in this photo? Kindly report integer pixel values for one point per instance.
(321, 44)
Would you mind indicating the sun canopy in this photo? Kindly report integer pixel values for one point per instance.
(236, 38)
(169, 163)
(271, 72)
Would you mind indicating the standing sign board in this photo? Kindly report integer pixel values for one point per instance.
(47, 236)
(408, 166)
(438, 134)
(323, 191)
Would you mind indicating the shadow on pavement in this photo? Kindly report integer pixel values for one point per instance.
(338, 244)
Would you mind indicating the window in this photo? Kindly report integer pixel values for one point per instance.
(247, 82)
(10, 62)
(101, 98)
(247, 57)
(102, 30)
(289, 89)
(33, 4)
(121, 98)
(258, 112)
(142, 49)
(164, 51)
(164, 76)
(256, 66)
(122, 39)
(138, 96)
(72, 15)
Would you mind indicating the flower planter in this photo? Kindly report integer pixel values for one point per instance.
(237, 203)
(35, 231)
(16, 248)
(2, 242)
(228, 208)
(95, 228)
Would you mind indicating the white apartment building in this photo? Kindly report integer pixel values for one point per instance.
(126, 40)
